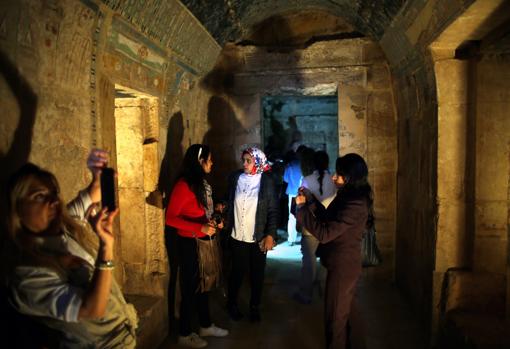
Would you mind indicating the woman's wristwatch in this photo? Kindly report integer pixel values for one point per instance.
(105, 265)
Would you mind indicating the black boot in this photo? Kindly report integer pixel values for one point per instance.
(233, 312)
(254, 314)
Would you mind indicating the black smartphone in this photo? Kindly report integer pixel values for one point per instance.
(108, 189)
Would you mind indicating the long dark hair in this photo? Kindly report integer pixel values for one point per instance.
(354, 169)
(306, 156)
(192, 171)
(321, 161)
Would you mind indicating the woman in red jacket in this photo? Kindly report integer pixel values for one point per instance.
(189, 211)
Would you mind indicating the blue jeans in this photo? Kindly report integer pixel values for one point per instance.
(309, 267)
(291, 225)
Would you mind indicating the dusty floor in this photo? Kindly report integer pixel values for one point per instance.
(286, 324)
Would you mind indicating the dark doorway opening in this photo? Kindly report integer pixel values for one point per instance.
(308, 120)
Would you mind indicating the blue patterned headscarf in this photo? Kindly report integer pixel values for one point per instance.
(259, 158)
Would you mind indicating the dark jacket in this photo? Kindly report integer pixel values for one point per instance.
(266, 218)
(339, 229)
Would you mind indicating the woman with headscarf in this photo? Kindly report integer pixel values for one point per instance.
(252, 219)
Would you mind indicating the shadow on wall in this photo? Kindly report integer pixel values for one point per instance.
(18, 154)
(172, 159)
(20, 148)
(169, 170)
(221, 137)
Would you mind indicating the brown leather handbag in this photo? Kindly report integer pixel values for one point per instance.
(209, 263)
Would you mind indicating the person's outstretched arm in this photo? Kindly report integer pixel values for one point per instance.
(79, 206)
(96, 297)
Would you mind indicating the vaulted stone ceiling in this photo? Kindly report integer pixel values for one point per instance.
(298, 30)
(233, 20)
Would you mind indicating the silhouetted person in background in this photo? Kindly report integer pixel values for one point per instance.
(321, 185)
(292, 176)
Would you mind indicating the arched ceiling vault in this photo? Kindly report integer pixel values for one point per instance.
(232, 20)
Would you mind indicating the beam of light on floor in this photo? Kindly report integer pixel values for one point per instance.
(283, 251)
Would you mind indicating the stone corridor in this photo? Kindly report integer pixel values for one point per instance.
(286, 324)
(419, 88)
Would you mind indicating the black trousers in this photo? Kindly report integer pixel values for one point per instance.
(188, 277)
(246, 257)
(172, 251)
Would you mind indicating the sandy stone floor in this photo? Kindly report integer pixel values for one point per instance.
(389, 323)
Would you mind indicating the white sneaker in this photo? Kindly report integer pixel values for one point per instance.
(213, 331)
(192, 341)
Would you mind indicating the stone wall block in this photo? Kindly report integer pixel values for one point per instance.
(321, 54)
(292, 82)
(381, 121)
(452, 140)
(129, 140)
(452, 242)
(383, 182)
(378, 77)
(479, 292)
(132, 225)
(372, 53)
(494, 81)
(490, 254)
(382, 153)
(150, 166)
(138, 283)
(493, 167)
(157, 263)
(352, 131)
(451, 81)
(491, 217)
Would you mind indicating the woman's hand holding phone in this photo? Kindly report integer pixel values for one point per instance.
(96, 161)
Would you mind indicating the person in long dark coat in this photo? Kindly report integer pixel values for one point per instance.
(339, 229)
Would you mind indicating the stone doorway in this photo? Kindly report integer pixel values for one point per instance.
(311, 120)
(141, 249)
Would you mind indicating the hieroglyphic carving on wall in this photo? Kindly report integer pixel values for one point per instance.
(75, 39)
(53, 14)
(170, 23)
(173, 75)
(93, 10)
(24, 36)
(134, 60)
(180, 77)
(18, 35)
(126, 41)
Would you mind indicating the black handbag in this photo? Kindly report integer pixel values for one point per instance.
(370, 254)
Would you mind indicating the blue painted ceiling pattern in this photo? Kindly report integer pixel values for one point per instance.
(229, 20)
